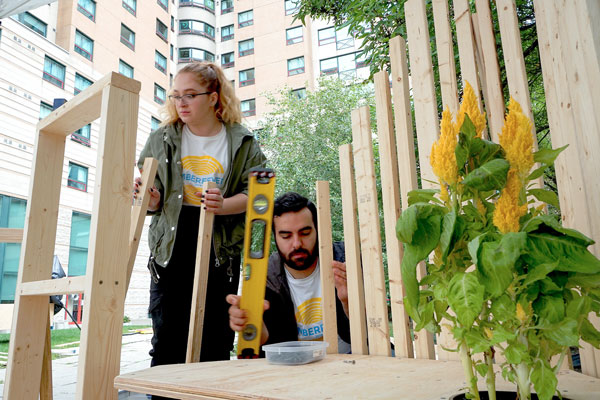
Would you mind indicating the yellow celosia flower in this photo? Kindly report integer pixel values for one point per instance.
(470, 106)
(480, 207)
(443, 159)
(517, 140)
(508, 211)
(521, 314)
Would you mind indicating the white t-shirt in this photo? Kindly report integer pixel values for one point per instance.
(203, 159)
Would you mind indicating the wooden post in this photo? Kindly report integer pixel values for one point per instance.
(330, 333)
(370, 237)
(46, 383)
(354, 272)
(466, 47)
(445, 55)
(203, 252)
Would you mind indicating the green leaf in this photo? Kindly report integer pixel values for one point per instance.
(547, 286)
(549, 224)
(468, 128)
(501, 334)
(537, 272)
(490, 176)
(485, 150)
(547, 156)
(465, 296)
(590, 334)
(545, 196)
(474, 246)
(448, 224)
(549, 309)
(423, 196)
(497, 260)
(426, 315)
(515, 353)
(537, 173)
(580, 305)
(461, 151)
(564, 333)
(544, 380)
(481, 369)
(476, 341)
(503, 308)
(584, 280)
(570, 254)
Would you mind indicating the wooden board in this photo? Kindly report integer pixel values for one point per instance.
(390, 188)
(445, 55)
(370, 237)
(337, 376)
(466, 47)
(354, 271)
(205, 231)
(11, 235)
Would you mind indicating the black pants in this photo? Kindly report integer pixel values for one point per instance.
(171, 297)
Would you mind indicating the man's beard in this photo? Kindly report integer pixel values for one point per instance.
(300, 265)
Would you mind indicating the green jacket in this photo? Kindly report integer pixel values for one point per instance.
(164, 144)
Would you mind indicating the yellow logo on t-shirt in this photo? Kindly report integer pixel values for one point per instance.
(309, 319)
(196, 171)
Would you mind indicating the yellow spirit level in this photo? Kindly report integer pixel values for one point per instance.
(257, 240)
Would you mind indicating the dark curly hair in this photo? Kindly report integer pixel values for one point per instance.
(294, 202)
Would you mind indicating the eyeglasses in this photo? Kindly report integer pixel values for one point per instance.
(186, 97)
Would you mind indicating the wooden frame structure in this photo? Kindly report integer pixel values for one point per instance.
(114, 99)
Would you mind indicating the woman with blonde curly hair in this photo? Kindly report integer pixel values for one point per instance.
(200, 140)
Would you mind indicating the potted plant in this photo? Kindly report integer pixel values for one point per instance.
(502, 272)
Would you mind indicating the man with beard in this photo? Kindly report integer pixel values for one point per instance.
(293, 305)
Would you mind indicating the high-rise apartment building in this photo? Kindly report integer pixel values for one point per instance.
(57, 50)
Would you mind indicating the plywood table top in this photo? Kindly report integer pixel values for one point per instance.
(338, 376)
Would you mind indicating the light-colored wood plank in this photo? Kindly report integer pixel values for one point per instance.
(50, 287)
(11, 235)
(138, 212)
(354, 271)
(390, 188)
(106, 282)
(37, 252)
(337, 376)
(370, 237)
(466, 47)
(423, 89)
(328, 295)
(203, 251)
(494, 99)
(46, 383)
(86, 106)
(445, 55)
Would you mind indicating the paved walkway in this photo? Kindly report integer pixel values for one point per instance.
(134, 356)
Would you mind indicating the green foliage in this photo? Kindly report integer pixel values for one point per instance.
(301, 137)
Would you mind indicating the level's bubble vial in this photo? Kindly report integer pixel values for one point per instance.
(249, 332)
(260, 204)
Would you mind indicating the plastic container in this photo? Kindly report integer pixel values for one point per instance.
(295, 353)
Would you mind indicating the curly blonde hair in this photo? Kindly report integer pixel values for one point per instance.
(210, 75)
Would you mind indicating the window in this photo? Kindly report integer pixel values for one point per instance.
(125, 69)
(326, 36)
(78, 176)
(295, 66)
(291, 7)
(170, 80)
(78, 246)
(164, 4)
(54, 72)
(197, 28)
(172, 23)
(208, 5)
(160, 95)
(81, 83)
(226, 6)
(246, 47)
(130, 5)
(154, 123)
(226, 33)
(344, 66)
(294, 35)
(82, 135)
(87, 8)
(343, 39)
(45, 110)
(248, 107)
(12, 215)
(160, 62)
(189, 54)
(247, 77)
(162, 30)
(127, 37)
(33, 23)
(227, 60)
(245, 18)
(299, 93)
(84, 45)
(172, 51)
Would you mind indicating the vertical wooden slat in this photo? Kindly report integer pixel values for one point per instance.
(445, 55)
(46, 383)
(391, 212)
(425, 105)
(330, 334)
(106, 276)
(494, 99)
(466, 46)
(203, 251)
(356, 294)
(426, 118)
(370, 237)
(30, 313)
